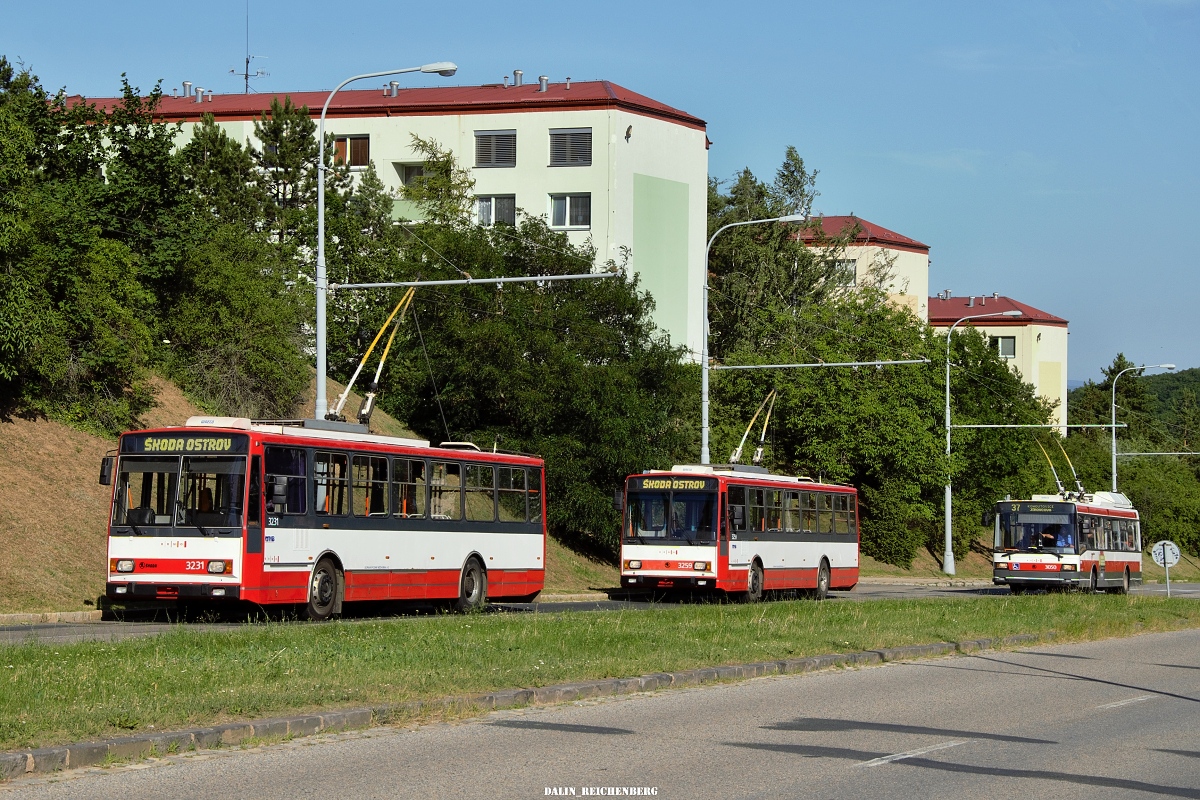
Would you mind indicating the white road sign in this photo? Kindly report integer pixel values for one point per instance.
(1165, 554)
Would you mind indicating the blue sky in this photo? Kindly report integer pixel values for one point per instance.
(1046, 151)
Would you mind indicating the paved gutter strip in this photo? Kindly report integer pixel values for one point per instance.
(86, 754)
(51, 617)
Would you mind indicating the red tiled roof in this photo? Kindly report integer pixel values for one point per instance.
(869, 233)
(439, 100)
(944, 313)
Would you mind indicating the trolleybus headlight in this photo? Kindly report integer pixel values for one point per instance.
(217, 567)
(700, 566)
(122, 565)
(634, 564)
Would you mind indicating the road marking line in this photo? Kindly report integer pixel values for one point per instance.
(875, 762)
(1130, 701)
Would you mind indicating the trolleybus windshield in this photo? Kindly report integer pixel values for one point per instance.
(1044, 528)
(193, 494)
(677, 516)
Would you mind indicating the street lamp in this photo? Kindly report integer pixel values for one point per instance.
(704, 344)
(444, 68)
(1114, 412)
(948, 557)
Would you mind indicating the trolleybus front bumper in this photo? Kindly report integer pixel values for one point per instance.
(174, 591)
(669, 582)
(1030, 578)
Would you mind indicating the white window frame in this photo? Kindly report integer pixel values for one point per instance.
(569, 200)
(348, 139)
(488, 218)
(998, 343)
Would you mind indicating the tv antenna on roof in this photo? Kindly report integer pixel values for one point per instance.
(246, 74)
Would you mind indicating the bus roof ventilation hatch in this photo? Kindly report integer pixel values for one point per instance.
(241, 423)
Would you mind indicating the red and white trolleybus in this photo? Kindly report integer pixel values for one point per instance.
(318, 513)
(1088, 541)
(738, 529)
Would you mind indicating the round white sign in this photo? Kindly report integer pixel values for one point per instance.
(1165, 553)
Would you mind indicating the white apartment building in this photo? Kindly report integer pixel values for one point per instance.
(1035, 343)
(872, 248)
(601, 163)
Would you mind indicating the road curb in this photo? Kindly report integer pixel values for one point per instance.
(50, 617)
(87, 754)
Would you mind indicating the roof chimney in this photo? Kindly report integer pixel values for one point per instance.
(394, 86)
(995, 295)
(983, 299)
(517, 77)
(543, 83)
(199, 94)
(971, 301)
(210, 93)
(505, 81)
(568, 82)
(187, 88)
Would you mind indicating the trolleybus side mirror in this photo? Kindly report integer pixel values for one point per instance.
(278, 487)
(618, 499)
(739, 516)
(106, 468)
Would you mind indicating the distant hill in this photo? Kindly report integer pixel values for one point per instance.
(1168, 387)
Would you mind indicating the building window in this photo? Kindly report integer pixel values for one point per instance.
(495, 148)
(847, 271)
(570, 147)
(408, 172)
(354, 151)
(498, 208)
(570, 210)
(1006, 346)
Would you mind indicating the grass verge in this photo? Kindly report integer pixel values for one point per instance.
(53, 694)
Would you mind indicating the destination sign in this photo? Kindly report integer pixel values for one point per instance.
(168, 443)
(1027, 507)
(674, 483)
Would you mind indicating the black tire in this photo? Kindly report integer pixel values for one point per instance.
(323, 589)
(1094, 583)
(754, 584)
(822, 590)
(1016, 588)
(472, 587)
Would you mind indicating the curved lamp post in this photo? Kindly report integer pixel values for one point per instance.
(444, 68)
(704, 334)
(1114, 413)
(948, 556)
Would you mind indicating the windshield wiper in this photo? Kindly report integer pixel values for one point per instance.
(136, 529)
(204, 531)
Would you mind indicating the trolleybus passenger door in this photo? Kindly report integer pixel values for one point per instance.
(723, 529)
(254, 507)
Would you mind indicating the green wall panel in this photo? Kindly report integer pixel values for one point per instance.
(660, 249)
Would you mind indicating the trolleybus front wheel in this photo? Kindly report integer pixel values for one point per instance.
(754, 584)
(472, 587)
(323, 590)
(1094, 582)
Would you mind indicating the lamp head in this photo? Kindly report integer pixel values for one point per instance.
(1168, 366)
(443, 68)
(1011, 313)
(794, 218)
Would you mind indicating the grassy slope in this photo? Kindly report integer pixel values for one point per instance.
(57, 693)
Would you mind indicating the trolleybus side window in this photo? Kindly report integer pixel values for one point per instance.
(445, 483)
(841, 513)
(410, 488)
(808, 503)
(791, 512)
(481, 492)
(287, 480)
(145, 490)
(369, 483)
(332, 481)
(737, 508)
(758, 518)
(774, 510)
(511, 497)
(212, 488)
(535, 495)
(853, 514)
(825, 512)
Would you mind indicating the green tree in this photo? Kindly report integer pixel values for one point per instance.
(219, 172)
(287, 168)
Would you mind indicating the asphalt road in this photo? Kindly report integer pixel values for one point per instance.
(1110, 719)
(63, 633)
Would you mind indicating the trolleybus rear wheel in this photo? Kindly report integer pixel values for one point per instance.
(754, 584)
(1124, 587)
(1016, 588)
(822, 590)
(323, 590)
(472, 588)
